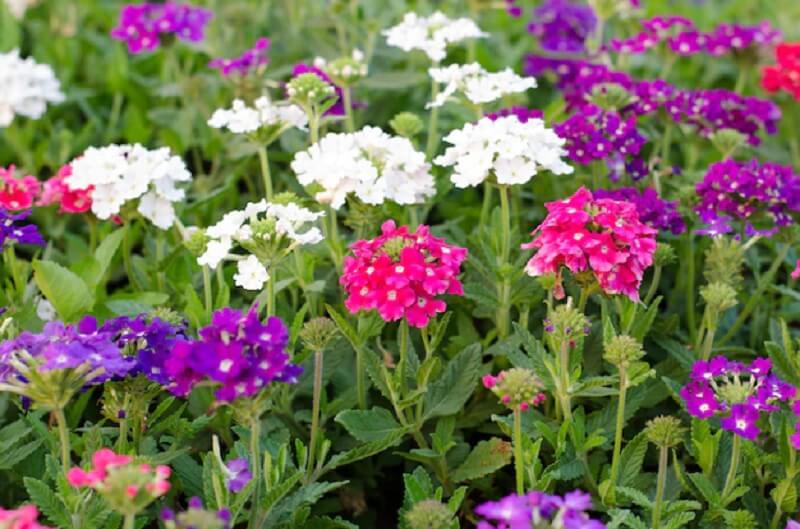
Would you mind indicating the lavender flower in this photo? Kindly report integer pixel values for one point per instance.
(142, 25)
(251, 59)
(562, 26)
(653, 210)
(236, 351)
(530, 510)
(11, 232)
(237, 474)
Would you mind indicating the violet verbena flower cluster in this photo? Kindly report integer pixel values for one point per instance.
(534, 509)
(653, 210)
(142, 26)
(737, 393)
(13, 231)
(562, 25)
(236, 352)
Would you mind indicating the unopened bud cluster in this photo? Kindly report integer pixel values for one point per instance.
(429, 514)
(664, 431)
(622, 351)
(518, 388)
(317, 333)
(309, 90)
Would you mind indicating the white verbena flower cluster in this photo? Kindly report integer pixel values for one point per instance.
(116, 174)
(478, 85)
(243, 119)
(513, 151)
(431, 34)
(238, 228)
(344, 70)
(17, 8)
(370, 163)
(26, 87)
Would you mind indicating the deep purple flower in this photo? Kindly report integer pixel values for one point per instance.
(12, 232)
(338, 108)
(520, 511)
(653, 210)
(237, 351)
(513, 9)
(237, 474)
(141, 26)
(523, 114)
(251, 59)
(563, 26)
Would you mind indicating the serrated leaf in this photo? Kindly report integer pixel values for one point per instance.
(368, 425)
(631, 458)
(448, 394)
(706, 488)
(676, 521)
(47, 502)
(69, 294)
(364, 451)
(636, 496)
(487, 457)
(785, 495)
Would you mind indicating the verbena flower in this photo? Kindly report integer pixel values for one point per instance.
(141, 26)
(337, 108)
(562, 26)
(369, 164)
(344, 71)
(506, 148)
(24, 517)
(517, 388)
(196, 517)
(56, 191)
(598, 235)
(653, 210)
(17, 193)
(532, 510)
(401, 274)
(739, 394)
(762, 195)
(237, 474)
(12, 231)
(26, 87)
(237, 353)
(431, 34)
(476, 84)
(250, 60)
(785, 75)
(523, 114)
(118, 174)
(263, 115)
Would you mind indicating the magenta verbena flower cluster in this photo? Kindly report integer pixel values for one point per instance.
(142, 26)
(535, 509)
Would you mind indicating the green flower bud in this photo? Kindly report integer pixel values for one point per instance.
(610, 96)
(719, 297)
(196, 243)
(429, 514)
(622, 351)
(518, 388)
(309, 90)
(740, 519)
(664, 255)
(167, 315)
(728, 141)
(285, 198)
(317, 333)
(345, 71)
(406, 124)
(566, 325)
(724, 262)
(394, 246)
(664, 431)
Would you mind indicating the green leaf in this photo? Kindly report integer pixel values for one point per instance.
(448, 394)
(69, 294)
(631, 458)
(785, 495)
(706, 489)
(364, 451)
(485, 458)
(643, 322)
(636, 496)
(105, 252)
(678, 520)
(368, 425)
(47, 502)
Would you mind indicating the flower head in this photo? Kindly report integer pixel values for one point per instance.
(429, 514)
(237, 474)
(141, 26)
(785, 75)
(431, 34)
(250, 60)
(477, 85)
(196, 517)
(264, 116)
(25, 517)
(517, 388)
(401, 274)
(524, 510)
(27, 88)
(12, 231)
(17, 193)
(56, 191)
(563, 26)
(654, 211)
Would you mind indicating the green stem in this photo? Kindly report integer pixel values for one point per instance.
(92, 222)
(433, 120)
(519, 463)
(271, 294)
(209, 300)
(663, 458)
(708, 343)
(505, 251)
(63, 437)
(255, 463)
(566, 401)
(122, 441)
(730, 480)
(402, 341)
(129, 521)
(315, 405)
(263, 158)
(691, 319)
(349, 121)
(615, 458)
(313, 126)
(486, 207)
(159, 242)
(127, 249)
(651, 291)
(361, 388)
(113, 118)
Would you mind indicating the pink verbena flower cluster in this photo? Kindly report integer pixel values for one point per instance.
(400, 274)
(518, 388)
(56, 191)
(121, 481)
(17, 193)
(604, 237)
(25, 517)
(142, 25)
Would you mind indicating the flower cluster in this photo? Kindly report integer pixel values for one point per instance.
(518, 388)
(344, 71)
(477, 85)
(400, 274)
(528, 511)
(127, 486)
(337, 107)
(370, 164)
(511, 150)
(237, 352)
(196, 517)
(523, 114)
(141, 26)
(25, 517)
(17, 193)
(683, 38)
(785, 75)
(653, 210)
(563, 26)
(56, 191)
(26, 87)
(250, 60)
(601, 236)
(264, 114)
(13, 233)
(764, 195)
(116, 174)
(737, 392)
(432, 34)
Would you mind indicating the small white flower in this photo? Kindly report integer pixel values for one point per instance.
(291, 218)
(250, 273)
(17, 8)
(26, 87)
(432, 34)
(216, 251)
(477, 85)
(242, 119)
(45, 310)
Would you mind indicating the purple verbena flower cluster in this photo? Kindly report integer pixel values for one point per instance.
(764, 195)
(141, 26)
(531, 510)
(653, 210)
(738, 393)
(12, 232)
(196, 516)
(513, 9)
(251, 59)
(337, 109)
(563, 26)
(236, 351)
(523, 114)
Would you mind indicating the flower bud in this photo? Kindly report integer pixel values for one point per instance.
(309, 90)
(665, 255)
(196, 242)
(406, 124)
(728, 141)
(317, 333)
(664, 431)
(719, 297)
(518, 388)
(724, 261)
(566, 325)
(346, 71)
(622, 351)
(610, 97)
(741, 519)
(429, 514)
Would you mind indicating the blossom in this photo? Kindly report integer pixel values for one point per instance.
(431, 34)
(237, 352)
(13, 232)
(337, 108)
(598, 235)
(477, 85)
(264, 114)
(17, 193)
(141, 26)
(518, 388)
(56, 191)
(26, 87)
(653, 210)
(116, 174)
(785, 75)
(250, 273)
(507, 148)
(237, 474)
(252, 59)
(796, 271)
(524, 511)
(764, 194)
(25, 517)
(196, 517)
(370, 164)
(738, 393)
(562, 26)
(401, 273)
